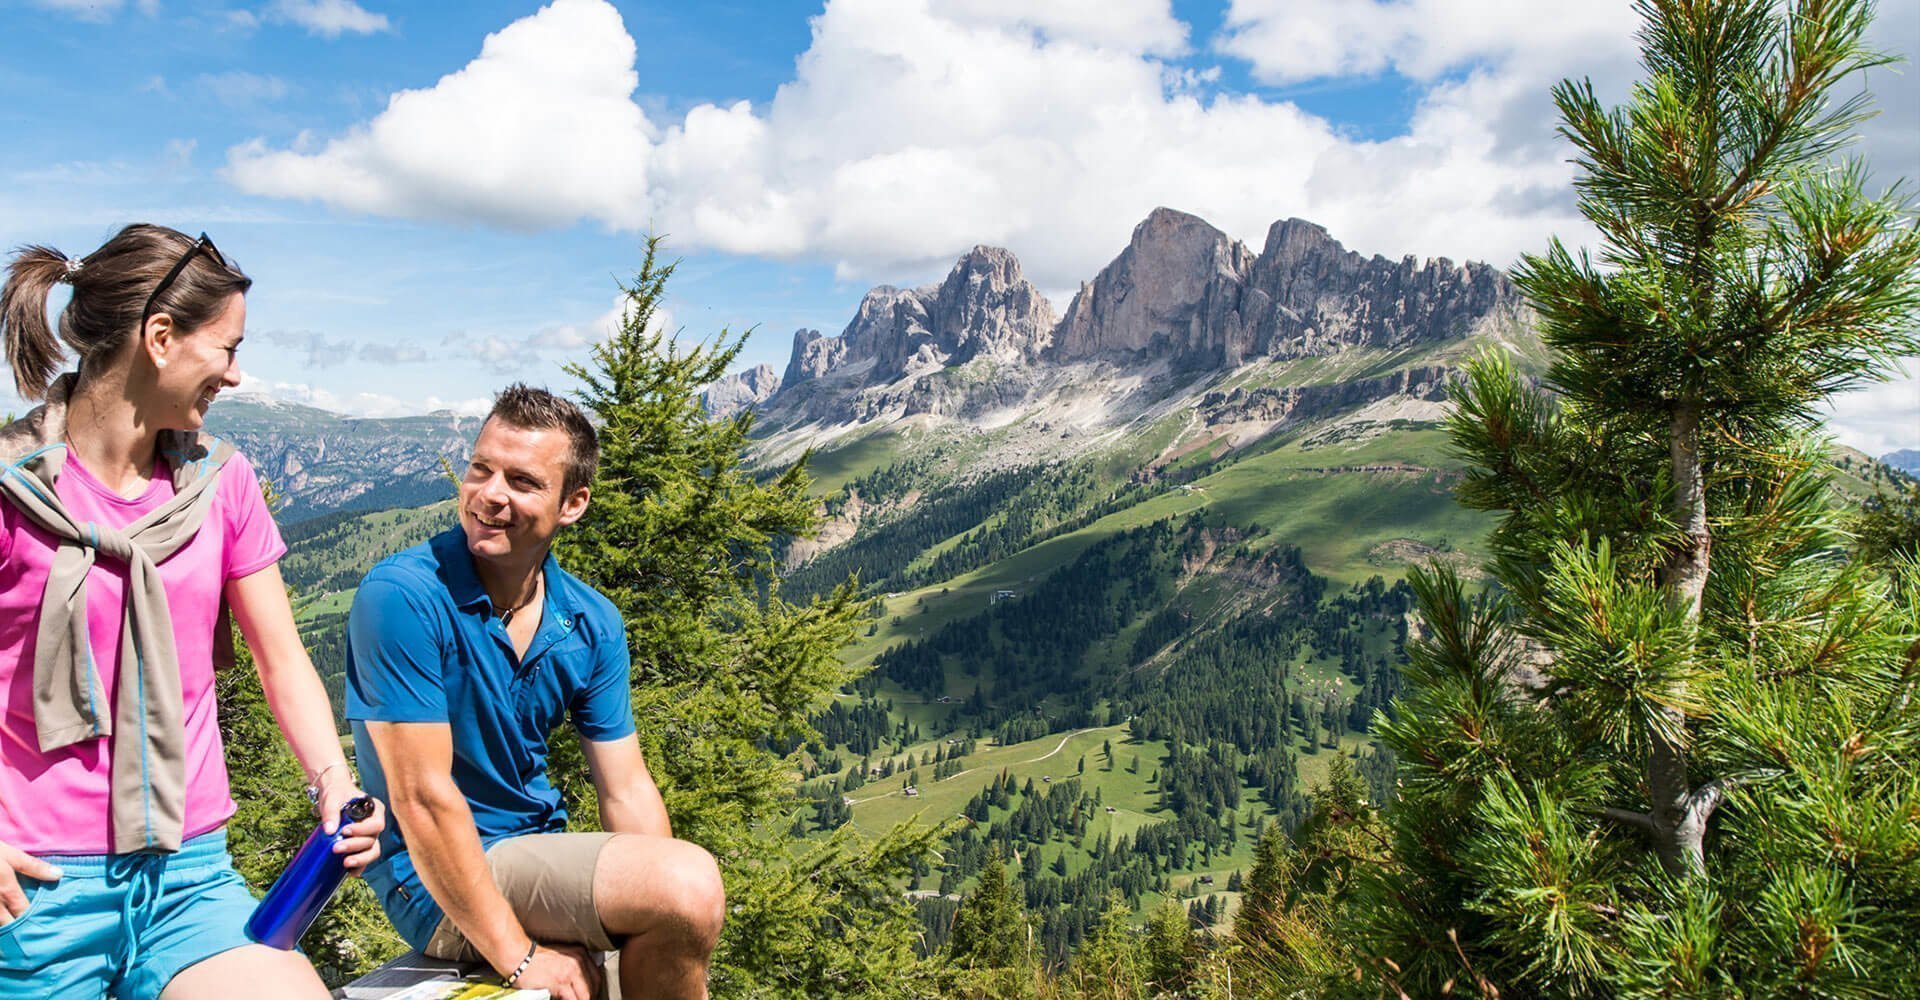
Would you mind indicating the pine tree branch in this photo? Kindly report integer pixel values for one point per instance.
(1627, 817)
(1707, 798)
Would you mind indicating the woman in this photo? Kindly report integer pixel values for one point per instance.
(125, 536)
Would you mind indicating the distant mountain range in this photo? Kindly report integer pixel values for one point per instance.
(322, 462)
(1182, 303)
(1907, 460)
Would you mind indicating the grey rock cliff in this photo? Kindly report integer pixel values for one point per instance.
(987, 308)
(1311, 296)
(1174, 291)
(1310, 402)
(813, 356)
(741, 390)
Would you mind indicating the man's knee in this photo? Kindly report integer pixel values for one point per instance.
(661, 888)
(700, 896)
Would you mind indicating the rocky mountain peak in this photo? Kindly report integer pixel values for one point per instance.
(813, 356)
(1291, 241)
(743, 390)
(1175, 285)
(1309, 295)
(984, 308)
(987, 308)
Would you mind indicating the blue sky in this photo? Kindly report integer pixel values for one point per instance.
(437, 198)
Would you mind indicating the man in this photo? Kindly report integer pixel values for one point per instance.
(463, 653)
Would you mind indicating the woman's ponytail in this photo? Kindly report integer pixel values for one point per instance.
(33, 350)
(112, 288)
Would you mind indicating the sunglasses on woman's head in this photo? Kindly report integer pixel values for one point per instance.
(201, 245)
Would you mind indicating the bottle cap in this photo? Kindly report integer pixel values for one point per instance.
(356, 809)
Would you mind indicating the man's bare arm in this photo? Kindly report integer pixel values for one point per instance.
(442, 838)
(629, 800)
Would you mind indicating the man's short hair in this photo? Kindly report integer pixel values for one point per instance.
(527, 408)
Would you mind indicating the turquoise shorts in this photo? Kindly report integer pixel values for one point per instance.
(124, 924)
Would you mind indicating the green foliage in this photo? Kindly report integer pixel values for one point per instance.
(1169, 948)
(1293, 934)
(272, 820)
(1112, 964)
(841, 894)
(679, 536)
(1888, 526)
(990, 929)
(681, 539)
(331, 553)
(1675, 755)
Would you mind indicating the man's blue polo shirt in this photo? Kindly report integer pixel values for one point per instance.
(423, 645)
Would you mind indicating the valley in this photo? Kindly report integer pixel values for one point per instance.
(1135, 572)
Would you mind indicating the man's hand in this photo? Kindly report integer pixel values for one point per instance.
(14, 863)
(565, 971)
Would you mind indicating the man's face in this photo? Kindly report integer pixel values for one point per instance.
(513, 499)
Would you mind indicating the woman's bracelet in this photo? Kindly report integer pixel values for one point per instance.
(532, 946)
(313, 786)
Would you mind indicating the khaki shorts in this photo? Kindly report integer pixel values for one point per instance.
(548, 880)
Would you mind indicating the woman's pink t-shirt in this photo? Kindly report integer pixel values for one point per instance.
(58, 802)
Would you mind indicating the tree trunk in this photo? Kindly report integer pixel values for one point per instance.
(1686, 570)
(1679, 816)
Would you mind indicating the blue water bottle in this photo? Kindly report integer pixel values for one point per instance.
(302, 890)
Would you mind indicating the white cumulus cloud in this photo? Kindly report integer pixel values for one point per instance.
(539, 130)
(1880, 418)
(1292, 40)
(914, 129)
(327, 18)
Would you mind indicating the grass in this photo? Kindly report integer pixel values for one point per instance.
(337, 602)
(832, 470)
(1336, 518)
(880, 805)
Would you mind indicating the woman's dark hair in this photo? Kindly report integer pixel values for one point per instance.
(530, 409)
(111, 287)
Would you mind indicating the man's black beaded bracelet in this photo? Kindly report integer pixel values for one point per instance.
(522, 967)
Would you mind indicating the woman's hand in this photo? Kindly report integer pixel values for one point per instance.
(361, 845)
(13, 864)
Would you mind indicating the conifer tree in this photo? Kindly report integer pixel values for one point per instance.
(1268, 883)
(990, 928)
(1168, 949)
(1674, 754)
(1112, 962)
(680, 537)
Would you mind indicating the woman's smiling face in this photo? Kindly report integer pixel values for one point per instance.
(200, 363)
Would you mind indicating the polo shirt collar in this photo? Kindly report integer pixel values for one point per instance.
(463, 581)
